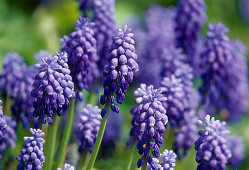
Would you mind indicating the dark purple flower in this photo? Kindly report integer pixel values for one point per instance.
(87, 127)
(212, 147)
(22, 107)
(66, 167)
(11, 75)
(237, 148)
(168, 161)
(149, 121)
(153, 40)
(32, 156)
(105, 26)
(9, 136)
(189, 18)
(186, 134)
(225, 75)
(53, 87)
(119, 69)
(81, 49)
(86, 5)
(3, 124)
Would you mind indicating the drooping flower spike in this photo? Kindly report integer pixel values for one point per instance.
(189, 18)
(3, 123)
(87, 127)
(53, 87)
(32, 157)
(11, 75)
(119, 69)
(9, 139)
(149, 121)
(168, 161)
(212, 147)
(81, 49)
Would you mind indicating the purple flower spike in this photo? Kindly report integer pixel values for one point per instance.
(3, 124)
(66, 167)
(190, 17)
(87, 127)
(212, 147)
(11, 75)
(238, 148)
(119, 69)
(149, 121)
(53, 87)
(22, 107)
(32, 156)
(81, 49)
(168, 161)
(9, 135)
(105, 26)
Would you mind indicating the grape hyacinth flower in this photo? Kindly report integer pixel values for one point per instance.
(22, 107)
(104, 28)
(87, 127)
(186, 135)
(9, 135)
(189, 18)
(53, 87)
(3, 124)
(119, 69)
(81, 49)
(243, 7)
(152, 35)
(11, 75)
(212, 147)
(237, 149)
(149, 121)
(85, 5)
(167, 163)
(32, 156)
(66, 167)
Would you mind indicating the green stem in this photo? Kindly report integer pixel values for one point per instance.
(66, 135)
(50, 143)
(144, 164)
(82, 160)
(6, 106)
(98, 141)
(131, 154)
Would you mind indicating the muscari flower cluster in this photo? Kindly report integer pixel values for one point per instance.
(104, 28)
(3, 124)
(167, 163)
(22, 107)
(243, 7)
(119, 69)
(9, 135)
(53, 87)
(189, 18)
(66, 167)
(152, 35)
(212, 147)
(149, 121)
(42, 53)
(237, 148)
(224, 88)
(87, 127)
(11, 75)
(81, 49)
(32, 156)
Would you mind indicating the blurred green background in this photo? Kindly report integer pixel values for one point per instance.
(30, 25)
